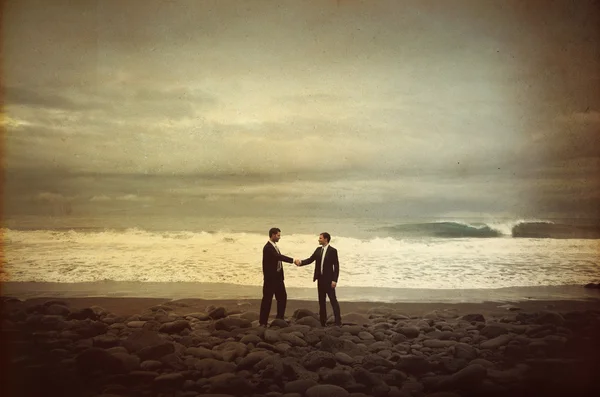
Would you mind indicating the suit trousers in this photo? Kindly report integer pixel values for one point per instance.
(324, 289)
(270, 288)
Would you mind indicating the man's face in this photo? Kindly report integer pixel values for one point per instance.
(322, 240)
(275, 238)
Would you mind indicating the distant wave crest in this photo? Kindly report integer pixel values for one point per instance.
(520, 229)
(553, 230)
(444, 229)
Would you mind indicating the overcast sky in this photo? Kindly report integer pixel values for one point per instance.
(393, 108)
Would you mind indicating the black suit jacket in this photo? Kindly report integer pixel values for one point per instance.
(331, 265)
(269, 263)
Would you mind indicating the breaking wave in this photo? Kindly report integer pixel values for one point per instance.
(522, 229)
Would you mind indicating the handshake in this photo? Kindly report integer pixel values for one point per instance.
(298, 262)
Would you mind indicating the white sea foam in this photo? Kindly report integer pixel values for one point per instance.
(225, 257)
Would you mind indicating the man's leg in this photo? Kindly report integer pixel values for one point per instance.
(334, 305)
(281, 296)
(322, 290)
(265, 304)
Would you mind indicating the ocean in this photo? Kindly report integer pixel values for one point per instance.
(380, 259)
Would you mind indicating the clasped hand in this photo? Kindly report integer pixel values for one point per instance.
(297, 262)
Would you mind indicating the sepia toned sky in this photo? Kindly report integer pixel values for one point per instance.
(388, 108)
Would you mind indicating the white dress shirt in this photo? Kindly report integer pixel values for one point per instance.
(323, 256)
(279, 264)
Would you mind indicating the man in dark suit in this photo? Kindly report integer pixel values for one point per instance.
(327, 270)
(273, 278)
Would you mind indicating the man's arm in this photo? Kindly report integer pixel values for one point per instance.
(273, 255)
(336, 268)
(310, 260)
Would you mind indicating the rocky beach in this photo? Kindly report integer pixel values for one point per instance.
(192, 347)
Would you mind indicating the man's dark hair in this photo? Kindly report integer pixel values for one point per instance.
(273, 231)
(326, 236)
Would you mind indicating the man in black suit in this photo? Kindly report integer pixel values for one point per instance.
(327, 270)
(273, 278)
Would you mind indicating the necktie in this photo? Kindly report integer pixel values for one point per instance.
(279, 262)
(323, 250)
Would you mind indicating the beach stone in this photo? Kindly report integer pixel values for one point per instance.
(299, 386)
(475, 317)
(136, 324)
(202, 316)
(294, 340)
(293, 370)
(296, 329)
(326, 391)
(344, 359)
(150, 365)
(200, 352)
(98, 359)
(250, 316)
(493, 330)
(409, 332)
(117, 349)
(452, 365)
(352, 329)
(232, 350)
(89, 328)
(355, 318)
(130, 362)
(317, 359)
(364, 335)
(380, 345)
(371, 361)
(363, 376)
(550, 317)
(155, 352)
(267, 346)
(106, 341)
(398, 316)
(209, 367)
(278, 322)
(380, 311)
(333, 345)
(140, 339)
(173, 361)
(301, 313)
(169, 381)
(271, 336)
(483, 362)
(230, 384)
(436, 343)
(337, 377)
(398, 338)
(230, 323)
(310, 321)
(217, 313)
(466, 378)
(464, 350)
(252, 359)
(496, 342)
(413, 364)
(175, 327)
(539, 331)
(58, 310)
(251, 338)
(271, 367)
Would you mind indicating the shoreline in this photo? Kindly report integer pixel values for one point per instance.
(129, 306)
(222, 291)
